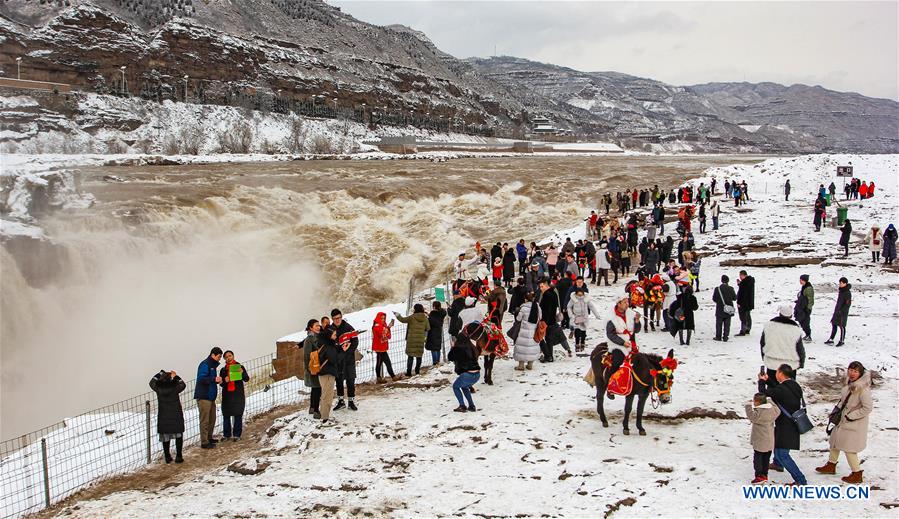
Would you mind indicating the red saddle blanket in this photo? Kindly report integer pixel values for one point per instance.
(621, 382)
(496, 341)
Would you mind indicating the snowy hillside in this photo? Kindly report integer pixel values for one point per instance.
(536, 446)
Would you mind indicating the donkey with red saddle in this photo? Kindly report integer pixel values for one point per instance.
(618, 367)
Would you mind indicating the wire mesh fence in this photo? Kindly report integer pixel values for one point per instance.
(46, 466)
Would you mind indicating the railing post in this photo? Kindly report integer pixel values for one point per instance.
(409, 301)
(149, 445)
(46, 466)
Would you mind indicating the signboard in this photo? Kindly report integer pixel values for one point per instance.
(844, 171)
(235, 372)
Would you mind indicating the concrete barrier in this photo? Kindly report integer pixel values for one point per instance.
(34, 85)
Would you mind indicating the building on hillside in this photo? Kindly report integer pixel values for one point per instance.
(543, 126)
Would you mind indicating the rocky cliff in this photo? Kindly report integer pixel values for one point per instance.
(723, 115)
(308, 51)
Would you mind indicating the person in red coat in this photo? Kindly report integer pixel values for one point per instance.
(863, 190)
(380, 343)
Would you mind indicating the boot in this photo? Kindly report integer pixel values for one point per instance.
(855, 478)
(352, 405)
(520, 366)
(340, 405)
(529, 365)
(179, 444)
(827, 468)
(168, 455)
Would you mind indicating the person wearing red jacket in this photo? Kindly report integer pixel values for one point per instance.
(380, 343)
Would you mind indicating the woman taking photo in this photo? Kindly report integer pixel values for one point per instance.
(169, 416)
(464, 355)
(850, 432)
(380, 344)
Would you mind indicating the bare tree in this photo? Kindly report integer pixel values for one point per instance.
(295, 141)
(322, 144)
(237, 139)
(192, 139)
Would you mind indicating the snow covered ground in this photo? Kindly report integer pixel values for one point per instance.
(536, 446)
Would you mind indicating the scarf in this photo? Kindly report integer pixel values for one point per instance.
(231, 384)
(623, 316)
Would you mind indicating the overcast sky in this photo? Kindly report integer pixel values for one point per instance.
(845, 46)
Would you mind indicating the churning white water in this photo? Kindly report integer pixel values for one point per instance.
(178, 259)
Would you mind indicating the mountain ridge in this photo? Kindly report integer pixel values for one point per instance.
(308, 49)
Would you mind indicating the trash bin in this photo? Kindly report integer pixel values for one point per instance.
(827, 199)
(842, 215)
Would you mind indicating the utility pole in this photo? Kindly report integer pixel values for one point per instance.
(124, 88)
(186, 77)
(19, 68)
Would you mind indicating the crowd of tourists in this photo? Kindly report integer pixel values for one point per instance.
(545, 289)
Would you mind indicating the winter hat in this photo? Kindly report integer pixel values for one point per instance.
(470, 301)
(804, 277)
(785, 311)
(497, 261)
(461, 253)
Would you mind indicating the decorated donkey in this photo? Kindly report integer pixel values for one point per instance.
(642, 375)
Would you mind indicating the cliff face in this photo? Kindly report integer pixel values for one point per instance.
(798, 118)
(835, 121)
(301, 49)
(252, 45)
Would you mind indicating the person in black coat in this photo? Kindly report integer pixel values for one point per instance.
(169, 416)
(787, 394)
(233, 398)
(329, 362)
(687, 304)
(745, 301)
(464, 355)
(722, 296)
(455, 324)
(651, 259)
(819, 213)
(845, 235)
(496, 252)
(434, 340)
(840, 312)
(346, 365)
(517, 295)
(550, 305)
(666, 250)
(509, 268)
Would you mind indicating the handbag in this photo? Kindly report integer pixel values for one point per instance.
(357, 355)
(514, 330)
(799, 417)
(836, 414)
(728, 309)
(540, 332)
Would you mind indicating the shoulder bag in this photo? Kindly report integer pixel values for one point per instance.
(836, 414)
(799, 417)
(728, 309)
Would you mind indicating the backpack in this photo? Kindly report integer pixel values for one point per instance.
(315, 366)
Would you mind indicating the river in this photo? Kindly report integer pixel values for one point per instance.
(172, 260)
